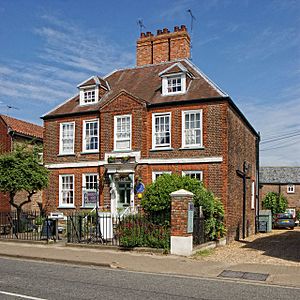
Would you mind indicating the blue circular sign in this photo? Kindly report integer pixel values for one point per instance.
(140, 187)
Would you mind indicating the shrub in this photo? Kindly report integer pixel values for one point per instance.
(140, 231)
(276, 202)
(157, 199)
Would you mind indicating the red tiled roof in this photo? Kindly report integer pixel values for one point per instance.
(145, 83)
(23, 127)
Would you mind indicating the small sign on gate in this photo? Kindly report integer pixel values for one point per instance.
(190, 223)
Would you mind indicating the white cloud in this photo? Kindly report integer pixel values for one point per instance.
(72, 47)
(278, 118)
(263, 44)
(69, 54)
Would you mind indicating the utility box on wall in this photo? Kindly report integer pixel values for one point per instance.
(265, 221)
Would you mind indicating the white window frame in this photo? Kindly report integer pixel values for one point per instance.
(161, 146)
(290, 189)
(155, 173)
(61, 152)
(188, 173)
(85, 89)
(165, 78)
(85, 189)
(184, 113)
(61, 204)
(84, 136)
(122, 139)
(253, 195)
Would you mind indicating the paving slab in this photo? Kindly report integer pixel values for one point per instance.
(143, 262)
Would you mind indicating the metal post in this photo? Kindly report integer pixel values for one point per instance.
(97, 194)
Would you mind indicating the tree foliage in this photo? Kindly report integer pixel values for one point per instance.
(157, 199)
(21, 170)
(276, 202)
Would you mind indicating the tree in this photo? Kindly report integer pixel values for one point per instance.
(157, 199)
(21, 170)
(276, 202)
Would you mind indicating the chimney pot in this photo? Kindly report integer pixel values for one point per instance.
(165, 30)
(183, 28)
(176, 28)
(143, 34)
(149, 33)
(159, 31)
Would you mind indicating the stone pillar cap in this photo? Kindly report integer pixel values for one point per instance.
(181, 193)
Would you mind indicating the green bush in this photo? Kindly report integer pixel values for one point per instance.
(140, 231)
(276, 202)
(157, 199)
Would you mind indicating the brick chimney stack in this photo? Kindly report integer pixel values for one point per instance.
(164, 46)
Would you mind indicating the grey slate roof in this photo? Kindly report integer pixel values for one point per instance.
(283, 175)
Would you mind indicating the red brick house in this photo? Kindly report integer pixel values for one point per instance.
(164, 115)
(12, 133)
(282, 180)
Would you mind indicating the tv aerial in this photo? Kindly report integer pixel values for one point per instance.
(192, 19)
(141, 25)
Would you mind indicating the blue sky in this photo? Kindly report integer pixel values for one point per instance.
(251, 49)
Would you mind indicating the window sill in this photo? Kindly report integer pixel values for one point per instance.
(87, 207)
(122, 151)
(63, 206)
(86, 104)
(192, 148)
(173, 94)
(161, 149)
(90, 152)
(67, 154)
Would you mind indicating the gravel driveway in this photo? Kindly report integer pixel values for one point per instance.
(277, 247)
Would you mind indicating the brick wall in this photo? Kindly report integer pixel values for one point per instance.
(224, 135)
(51, 140)
(293, 198)
(51, 199)
(33, 205)
(241, 147)
(5, 146)
(5, 139)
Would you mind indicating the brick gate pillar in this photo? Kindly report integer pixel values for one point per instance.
(181, 237)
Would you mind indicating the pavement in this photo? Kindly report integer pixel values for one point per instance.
(145, 262)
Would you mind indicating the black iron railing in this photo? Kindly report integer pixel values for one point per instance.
(26, 225)
(134, 230)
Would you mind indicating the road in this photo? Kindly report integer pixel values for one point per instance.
(41, 280)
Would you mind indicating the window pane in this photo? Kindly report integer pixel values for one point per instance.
(67, 137)
(162, 130)
(123, 133)
(91, 135)
(192, 130)
(67, 189)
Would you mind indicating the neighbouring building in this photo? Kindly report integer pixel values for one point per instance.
(132, 125)
(284, 180)
(15, 132)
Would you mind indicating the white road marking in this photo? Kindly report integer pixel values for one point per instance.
(21, 296)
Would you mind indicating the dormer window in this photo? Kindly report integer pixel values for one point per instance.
(174, 80)
(89, 95)
(173, 84)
